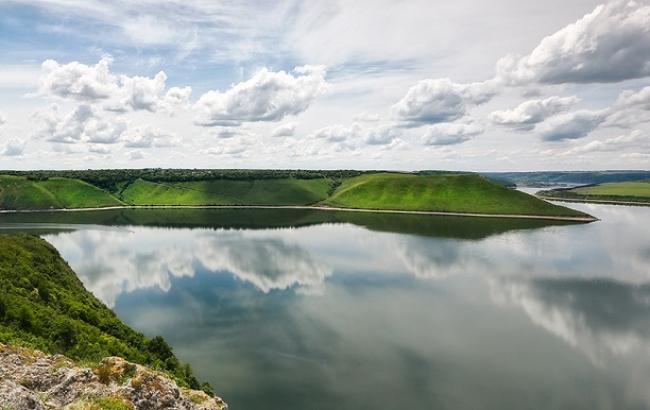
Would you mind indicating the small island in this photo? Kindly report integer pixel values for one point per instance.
(437, 193)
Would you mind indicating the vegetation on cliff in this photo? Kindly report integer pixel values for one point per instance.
(45, 306)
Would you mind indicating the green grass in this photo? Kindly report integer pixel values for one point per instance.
(287, 191)
(468, 193)
(629, 191)
(22, 193)
(44, 305)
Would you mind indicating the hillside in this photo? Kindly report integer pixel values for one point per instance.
(468, 193)
(630, 191)
(21, 193)
(425, 191)
(285, 191)
(44, 305)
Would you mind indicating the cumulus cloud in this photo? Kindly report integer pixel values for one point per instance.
(440, 100)
(78, 81)
(144, 93)
(366, 117)
(380, 135)
(93, 83)
(3, 118)
(573, 125)
(135, 155)
(529, 113)
(610, 44)
(14, 148)
(267, 96)
(353, 136)
(147, 137)
(634, 140)
(82, 124)
(635, 99)
(450, 133)
(285, 130)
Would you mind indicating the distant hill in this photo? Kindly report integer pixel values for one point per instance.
(549, 178)
(629, 191)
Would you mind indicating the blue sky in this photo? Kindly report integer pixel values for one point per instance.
(382, 84)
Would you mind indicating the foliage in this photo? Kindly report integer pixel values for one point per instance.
(69, 320)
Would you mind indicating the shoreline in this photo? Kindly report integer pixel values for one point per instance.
(593, 201)
(308, 207)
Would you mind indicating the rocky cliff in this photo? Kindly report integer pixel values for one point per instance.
(30, 379)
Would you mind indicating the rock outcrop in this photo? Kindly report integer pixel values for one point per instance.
(30, 379)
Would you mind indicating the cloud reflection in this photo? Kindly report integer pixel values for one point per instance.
(113, 262)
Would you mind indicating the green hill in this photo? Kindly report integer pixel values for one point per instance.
(22, 193)
(629, 191)
(44, 305)
(284, 191)
(469, 193)
(428, 191)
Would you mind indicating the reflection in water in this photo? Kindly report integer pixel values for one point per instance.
(113, 262)
(358, 314)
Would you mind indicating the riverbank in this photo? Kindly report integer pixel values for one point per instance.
(587, 218)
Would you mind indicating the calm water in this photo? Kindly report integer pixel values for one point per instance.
(306, 310)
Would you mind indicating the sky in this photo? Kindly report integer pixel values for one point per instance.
(505, 85)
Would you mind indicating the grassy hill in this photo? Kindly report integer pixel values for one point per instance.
(44, 305)
(470, 193)
(629, 191)
(285, 191)
(439, 191)
(22, 193)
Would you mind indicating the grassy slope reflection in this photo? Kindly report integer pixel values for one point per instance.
(424, 225)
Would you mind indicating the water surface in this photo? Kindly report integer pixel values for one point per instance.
(320, 310)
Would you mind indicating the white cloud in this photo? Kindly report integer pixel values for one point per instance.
(338, 133)
(573, 125)
(637, 139)
(135, 155)
(147, 137)
(450, 133)
(78, 81)
(267, 96)
(3, 118)
(366, 117)
(285, 130)
(83, 124)
(440, 100)
(380, 135)
(14, 148)
(122, 93)
(99, 149)
(529, 113)
(610, 44)
(635, 99)
(352, 137)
